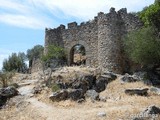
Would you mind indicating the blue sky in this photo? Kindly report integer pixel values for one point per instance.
(22, 22)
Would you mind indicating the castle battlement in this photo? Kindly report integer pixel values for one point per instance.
(101, 38)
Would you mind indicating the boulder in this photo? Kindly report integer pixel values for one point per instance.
(141, 92)
(152, 110)
(85, 82)
(150, 113)
(6, 93)
(103, 80)
(155, 90)
(92, 94)
(128, 78)
(140, 75)
(75, 94)
(80, 85)
(149, 78)
(90, 79)
(153, 78)
(9, 92)
(101, 83)
(110, 75)
(2, 100)
(58, 96)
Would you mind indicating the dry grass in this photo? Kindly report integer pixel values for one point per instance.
(118, 105)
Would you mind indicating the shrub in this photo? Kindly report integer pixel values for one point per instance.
(55, 87)
(5, 78)
(143, 46)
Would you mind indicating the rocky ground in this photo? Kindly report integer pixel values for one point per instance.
(34, 101)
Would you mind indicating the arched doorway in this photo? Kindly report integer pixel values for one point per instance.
(78, 55)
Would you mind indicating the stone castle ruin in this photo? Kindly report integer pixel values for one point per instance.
(101, 38)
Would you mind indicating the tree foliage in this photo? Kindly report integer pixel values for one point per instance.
(143, 46)
(35, 52)
(54, 52)
(15, 62)
(151, 15)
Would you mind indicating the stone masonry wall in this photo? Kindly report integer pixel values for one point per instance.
(86, 35)
(101, 37)
(36, 66)
(109, 41)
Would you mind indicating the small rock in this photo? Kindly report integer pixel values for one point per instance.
(101, 114)
(103, 99)
(140, 75)
(58, 96)
(155, 90)
(80, 100)
(36, 90)
(92, 94)
(110, 75)
(128, 78)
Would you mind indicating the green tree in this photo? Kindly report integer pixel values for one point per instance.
(54, 53)
(151, 15)
(143, 46)
(15, 62)
(34, 53)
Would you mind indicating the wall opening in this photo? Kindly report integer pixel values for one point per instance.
(78, 55)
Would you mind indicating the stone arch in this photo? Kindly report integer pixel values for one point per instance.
(70, 50)
(78, 55)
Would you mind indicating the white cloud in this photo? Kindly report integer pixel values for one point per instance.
(34, 13)
(23, 14)
(16, 6)
(23, 21)
(87, 9)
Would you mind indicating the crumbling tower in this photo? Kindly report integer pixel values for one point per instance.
(109, 41)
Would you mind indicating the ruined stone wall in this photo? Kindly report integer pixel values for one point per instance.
(111, 29)
(101, 37)
(109, 41)
(86, 35)
(36, 65)
(53, 36)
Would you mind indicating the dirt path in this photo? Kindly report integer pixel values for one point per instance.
(65, 111)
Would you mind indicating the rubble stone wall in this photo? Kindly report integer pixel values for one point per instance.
(101, 38)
